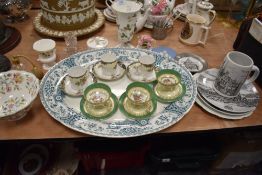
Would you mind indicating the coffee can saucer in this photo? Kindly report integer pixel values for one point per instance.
(118, 74)
(66, 86)
(135, 73)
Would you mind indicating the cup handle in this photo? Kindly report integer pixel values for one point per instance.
(108, 5)
(213, 12)
(256, 71)
(205, 31)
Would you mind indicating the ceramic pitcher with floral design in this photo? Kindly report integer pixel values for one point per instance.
(126, 12)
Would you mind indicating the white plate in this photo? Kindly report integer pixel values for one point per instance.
(246, 101)
(108, 17)
(66, 109)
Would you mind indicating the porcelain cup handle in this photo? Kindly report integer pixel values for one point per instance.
(256, 71)
(204, 34)
(213, 14)
(109, 5)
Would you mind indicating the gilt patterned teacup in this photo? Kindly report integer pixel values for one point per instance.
(46, 52)
(97, 98)
(147, 64)
(78, 77)
(45, 48)
(138, 94)
(109, 64)
(168, 79)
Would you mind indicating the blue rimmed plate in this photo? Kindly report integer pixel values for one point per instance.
(66, 109)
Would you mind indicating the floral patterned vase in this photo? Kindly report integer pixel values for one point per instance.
(126, 20)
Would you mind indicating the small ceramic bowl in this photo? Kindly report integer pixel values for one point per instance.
(18, 90)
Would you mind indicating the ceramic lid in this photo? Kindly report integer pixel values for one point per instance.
(205, 5)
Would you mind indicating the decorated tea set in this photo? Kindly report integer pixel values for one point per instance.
(139, 99)
(126, 91)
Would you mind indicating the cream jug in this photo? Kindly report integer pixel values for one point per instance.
(194, 31)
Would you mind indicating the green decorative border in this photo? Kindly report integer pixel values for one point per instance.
(115, 100)
(169, 71)
(97, 85)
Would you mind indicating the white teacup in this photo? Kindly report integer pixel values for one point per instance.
(233, 73)
(109, 64)
(147, 63)
(78, 77)
(46, 52)
(194, 31)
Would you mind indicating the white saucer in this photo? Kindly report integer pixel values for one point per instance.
(119, 73)
(67, 88)
(246, 101)
(108, 16)
(135, 73)
(110, 13)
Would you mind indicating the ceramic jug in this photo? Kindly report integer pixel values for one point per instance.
(194, 31)
(204, 10)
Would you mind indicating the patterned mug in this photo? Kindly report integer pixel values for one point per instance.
(234, 73)
(78, 77)
(109, 64)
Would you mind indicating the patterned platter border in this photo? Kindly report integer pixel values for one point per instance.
(39, 27)
(52, 97)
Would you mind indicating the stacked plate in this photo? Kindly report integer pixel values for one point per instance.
(110, 15)
(237, 107)
(182, 10)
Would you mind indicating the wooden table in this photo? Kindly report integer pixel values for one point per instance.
(38, 124)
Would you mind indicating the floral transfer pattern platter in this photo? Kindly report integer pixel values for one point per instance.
(39, 27)
(66, 109)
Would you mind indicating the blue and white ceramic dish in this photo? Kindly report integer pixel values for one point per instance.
(66, 109)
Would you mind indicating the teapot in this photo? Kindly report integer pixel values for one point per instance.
(204, 9)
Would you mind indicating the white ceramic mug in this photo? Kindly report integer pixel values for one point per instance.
(194, 31)
(147, 63)
(46, 49)
(233, 73)
(109, 64)
(78, 77)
